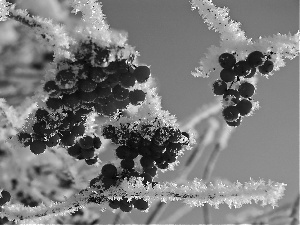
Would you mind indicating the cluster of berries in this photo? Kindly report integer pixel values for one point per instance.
(157, 148)
(87, 85)
(238, 102)
(5, 197)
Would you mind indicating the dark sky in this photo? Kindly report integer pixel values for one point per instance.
(172, 38)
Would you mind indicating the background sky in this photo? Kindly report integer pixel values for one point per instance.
(172, 38)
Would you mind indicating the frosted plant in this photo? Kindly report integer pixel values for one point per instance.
(95, 74)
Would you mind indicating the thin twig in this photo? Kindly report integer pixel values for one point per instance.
(294, 212)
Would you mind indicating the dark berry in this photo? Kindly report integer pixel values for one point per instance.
(127, 164)
(74, 150)
(5, 197)
(142, 73)
(91, 161)
(227, 75)
(53, 140)
(242, 68)
(37, 147)
(103, 92)
(230, 113)
(120, 93)
(97, 74)
(66, 78)
(66, 138)
(125, 206)
(127, 80)
(114, 204)
(146, 162)
(227, 60)
(41, 114)
(52, 88)
(108, 131)
(219, 87)
(24, 138)
(141, 204)
(246, 89)
(147, 178)
(267, 67)
(232, 95)
(54, 104)
(151, 171)
(234, 123)
(97, 142)
(108, 182)
(251, 74)
(244, 107)
(255, 58)
(78, 130)
(136, 97)
(86, 142)
(88, 153)
(86, 85)
(109, 170)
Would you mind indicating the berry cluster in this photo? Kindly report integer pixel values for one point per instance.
(89, 84)
(156, 149)
(5, 197)
(238, 102)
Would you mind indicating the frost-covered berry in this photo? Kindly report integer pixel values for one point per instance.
(252, 73)
(141, 204)
(119, 92)
(97, 142)
(24, 138)
(142, 73)
(246, 89)
(109, 132)
(175, 135)
(125, 206)
(267, 67)
(255, 58)
(74, 150)
(244, 107)
(97, 75)
(231, 96)
(242, 68)
(136, 97)
(54, 104)
(41, 114)
(66, 78)
(37, 147)
(234, 123)
(219, 87)
(86, 85)
(146, 162)
(109, 170)
(5, 197)
(227, 75)
(86, 142)
(53, 140)
(230, 113)
(52, 88)
(127, 79)
(227, 60)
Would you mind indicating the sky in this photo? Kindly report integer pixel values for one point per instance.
(171, 39)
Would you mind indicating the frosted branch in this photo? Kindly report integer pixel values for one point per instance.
(4, 10)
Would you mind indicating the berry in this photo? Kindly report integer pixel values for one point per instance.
(108, 182)
(114, 204)
(146, 178)
(97, 142)
(146, 162)
(24, 138)
(232, 96)
(185, 134)
(111, 81)
(227, 75)
(161, 135)
(67, 139)
(88, 153)
(227, 60)
(127, 80)
(41, 114)
(86, 85)
(71, 101)
(5, 197)
(246, 89)
(151, 171)
(230, 113)
(125, 206)
(109, 170)
(255, 59)
(142, 73)
(127, 163)
(103, 92)
(242, 68)
(163, 165)
(136, 97)
(124, 152)
(86, 142)
(78, 130)
(119, 92)
(169, 156)
(37, 147)
(219, 87)
(244, 107)
(97, 74)
(175, 135)
(52, 88)
(53, 141)
(141, 204)
(74, 150)
(267, 67)
(91, 161)
(234, 123)
(175, 147)
(87, 97)
(251, 74)
(66, 78)
(94, 181)
(108, 132)
(54, 103)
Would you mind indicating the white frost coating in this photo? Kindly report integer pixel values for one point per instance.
(233, 39)
(3, 10)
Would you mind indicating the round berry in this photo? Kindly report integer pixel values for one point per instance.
(86, 142)
(114, 204)
(136, 97)
(242, 68)
(231, 96)
(5, 197)
(88, 153)
(52, 88)
(97, 142)
(94, 181)
(146, 162)
(97, 74)
(111, 80)
(175, 135)
(147, 178)
(234, 123)
(227, 75)
(142, 73)
(78, 130)
(119, 92)
(267, 67)
(163, 165)
(91, 161)
(71, 101)
(127, 80)
(252, 73)
(169, 156)
(175, 147)
(66, 78)
(37, 147)
(123, 152)
(141, 204)
(54, 103)
(66, 138)
(53, 141)
(219, 87)
(74, 150)
(246, 89)
(151, 171)
(103, 92)
(108, 131)
(125, 206)
(108, 182)
(86, 85)
(127, 163)
(227, 60)
(24, 138)
(109, 170)
(230, 113)
(255, 58)
(41, 114)
(244, 107)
